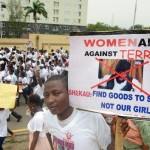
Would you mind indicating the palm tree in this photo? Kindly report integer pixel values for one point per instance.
(38, 8)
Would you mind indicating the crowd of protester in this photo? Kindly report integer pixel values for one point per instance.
(29, 69)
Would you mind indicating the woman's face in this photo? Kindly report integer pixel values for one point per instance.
(56, 98)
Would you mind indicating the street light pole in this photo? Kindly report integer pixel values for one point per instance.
(112, 20)
(135, 14)
(1, 29)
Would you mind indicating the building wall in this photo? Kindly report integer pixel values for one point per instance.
(39, 41)
(64, 16)
(70, 12)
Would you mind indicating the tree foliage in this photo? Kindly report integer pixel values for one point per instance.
(100, 26)
(16, 23)
(37, 8)
(137, 27)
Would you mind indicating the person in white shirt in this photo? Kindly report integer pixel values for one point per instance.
(29, 74)
(14, 113)
(39, 90)
(71, 128)
(37, 136)
(2, 70)
(52, 71)
(23, 81)
(43, 72)
(4, 114)
(13, 77)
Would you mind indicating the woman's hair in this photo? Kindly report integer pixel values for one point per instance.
(35, 99)
(62, 78)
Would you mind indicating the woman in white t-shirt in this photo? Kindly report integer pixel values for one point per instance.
(4, 114)
(23, 81)
(39, 89)
(37, 138)
(71, 128)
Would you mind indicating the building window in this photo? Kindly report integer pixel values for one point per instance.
(55, 11)
(55, 28)
(46, 19)
(3, 32)
(3, 24)
(2, 15)
(79, 6)
(79, 20)
(28, 29)
(56, 4)
(79, 13)
(75, 13)
(75, 21)
(75, 6)
(47, 27)
(66, 20)
(10, 33)
(66, 5)
(55, 19)
(74, 28)
(66, 12)
(3, 6)
(66, 27)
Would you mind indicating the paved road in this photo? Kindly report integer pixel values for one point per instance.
(13, 124)
(20, 142)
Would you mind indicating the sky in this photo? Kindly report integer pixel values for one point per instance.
(119, 12)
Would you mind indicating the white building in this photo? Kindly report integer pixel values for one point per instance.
(64, 16)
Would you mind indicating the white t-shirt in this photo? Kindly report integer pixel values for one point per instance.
(43, 73)
(36, 124)
(13, 79)
(3, 74)
(24, 81)
(29, 75)
(54, 72)
(4, 114)
(86, 131)
(58, 68)
(39, 90)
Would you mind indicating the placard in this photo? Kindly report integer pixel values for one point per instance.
(7, 95)
(109, 72)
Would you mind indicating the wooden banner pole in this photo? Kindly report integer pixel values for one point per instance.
(118, 136)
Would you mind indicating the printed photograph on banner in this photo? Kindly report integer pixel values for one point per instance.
(120, 74)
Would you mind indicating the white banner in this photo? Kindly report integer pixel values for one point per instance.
(110, 73)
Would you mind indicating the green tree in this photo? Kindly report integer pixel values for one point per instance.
(137, 27)
(38, 8)
(147, 28)
(115, 28)
(16, 23)
(100, 26)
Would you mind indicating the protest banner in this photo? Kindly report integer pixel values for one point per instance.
(94, 69)
(109, 72)
(7, 95)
